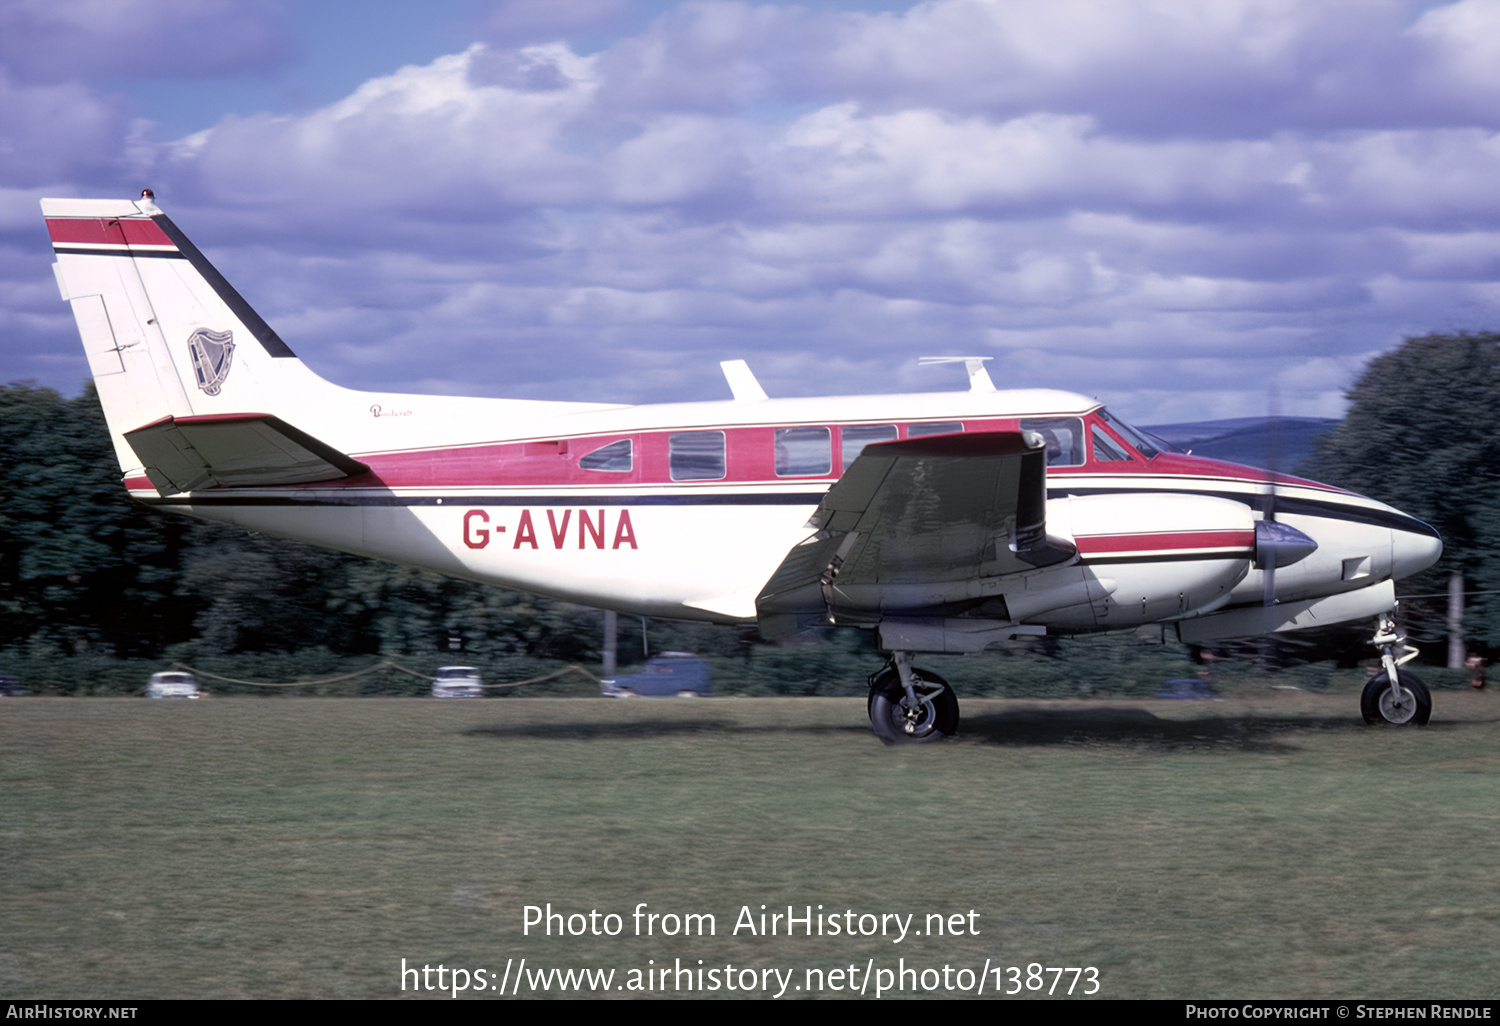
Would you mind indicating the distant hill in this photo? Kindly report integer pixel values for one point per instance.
(1279, 442)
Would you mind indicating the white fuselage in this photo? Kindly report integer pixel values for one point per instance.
(1165, 538)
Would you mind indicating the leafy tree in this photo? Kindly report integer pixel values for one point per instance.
(256, 594)
(82, 568)
(1423, 434)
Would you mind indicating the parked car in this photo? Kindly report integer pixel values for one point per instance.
(458, 682)
(671, 673)
(1189, 689)
(173, 684)
(9, 686)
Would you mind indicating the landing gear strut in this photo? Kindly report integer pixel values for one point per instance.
(1394, 695)
(908, 705)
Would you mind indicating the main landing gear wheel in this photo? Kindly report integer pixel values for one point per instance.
(1412, 707)
(934, 718)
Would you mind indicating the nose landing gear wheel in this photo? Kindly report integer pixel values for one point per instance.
(934, 718)
(1413, 707)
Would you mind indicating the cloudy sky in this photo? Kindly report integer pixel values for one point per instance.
(1185, 208)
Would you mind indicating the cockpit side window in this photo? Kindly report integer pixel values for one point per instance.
(1130, 434)
(1064, 437)
(1106, 450)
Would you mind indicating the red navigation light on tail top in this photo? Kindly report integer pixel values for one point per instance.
(946, 522)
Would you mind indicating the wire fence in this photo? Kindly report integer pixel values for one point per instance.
(384, 664)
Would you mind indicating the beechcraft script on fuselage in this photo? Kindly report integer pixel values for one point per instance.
(946, 522)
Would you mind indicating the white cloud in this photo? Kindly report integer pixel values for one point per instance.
(428, 140)
(1232, 68)
(1172, 203)
(678, 159)
(1464, 38)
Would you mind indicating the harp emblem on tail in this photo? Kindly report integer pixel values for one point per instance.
(212, 352)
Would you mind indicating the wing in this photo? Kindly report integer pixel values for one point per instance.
(915, 528)
(181, 454)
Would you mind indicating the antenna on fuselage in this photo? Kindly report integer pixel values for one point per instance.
(742, 382)
(979, 378)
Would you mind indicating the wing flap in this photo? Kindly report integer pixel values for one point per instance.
(914, 526)
(183, 454)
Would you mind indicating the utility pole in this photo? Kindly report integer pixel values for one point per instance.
(1457, 651)
(611, 640)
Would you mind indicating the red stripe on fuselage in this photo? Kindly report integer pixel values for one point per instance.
(1166, 541)
(750, 459)
(106, 231)
(750, 454)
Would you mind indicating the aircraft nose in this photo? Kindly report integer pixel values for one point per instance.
(1413, 551)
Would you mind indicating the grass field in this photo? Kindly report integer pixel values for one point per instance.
(1269, 845)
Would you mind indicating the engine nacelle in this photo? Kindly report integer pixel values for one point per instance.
(1146, 557)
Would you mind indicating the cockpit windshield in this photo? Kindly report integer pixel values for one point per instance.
(1136, 438)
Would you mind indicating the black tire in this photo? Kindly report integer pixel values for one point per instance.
(888, 717)
(1377, 707)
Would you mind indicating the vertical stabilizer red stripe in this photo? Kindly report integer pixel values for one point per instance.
(103, 231)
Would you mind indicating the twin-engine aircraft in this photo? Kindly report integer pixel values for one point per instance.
(946, 522)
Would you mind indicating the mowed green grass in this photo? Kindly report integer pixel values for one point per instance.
(1269, 845)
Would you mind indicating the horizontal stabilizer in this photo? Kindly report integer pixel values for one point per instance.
(250, 450)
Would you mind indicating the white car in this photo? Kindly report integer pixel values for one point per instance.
(458, 682)
(173, 684)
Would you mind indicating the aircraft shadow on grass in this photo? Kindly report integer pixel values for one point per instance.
(1139, 728)
(1135, 728)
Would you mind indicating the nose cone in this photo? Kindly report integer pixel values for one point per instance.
(1414, 551)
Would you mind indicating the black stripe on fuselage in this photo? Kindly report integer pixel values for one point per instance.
(1301, 507)
(1327, 508)
(690, 499)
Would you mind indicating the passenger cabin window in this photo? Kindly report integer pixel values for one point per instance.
(950, 427)
(855, 437)
(804, 451)
(696, 455)
(1064, 437)
(615, 457)
(1105, 449)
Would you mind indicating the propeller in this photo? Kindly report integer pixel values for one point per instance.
(1276, 544)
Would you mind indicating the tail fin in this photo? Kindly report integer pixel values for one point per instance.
(168, 339)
